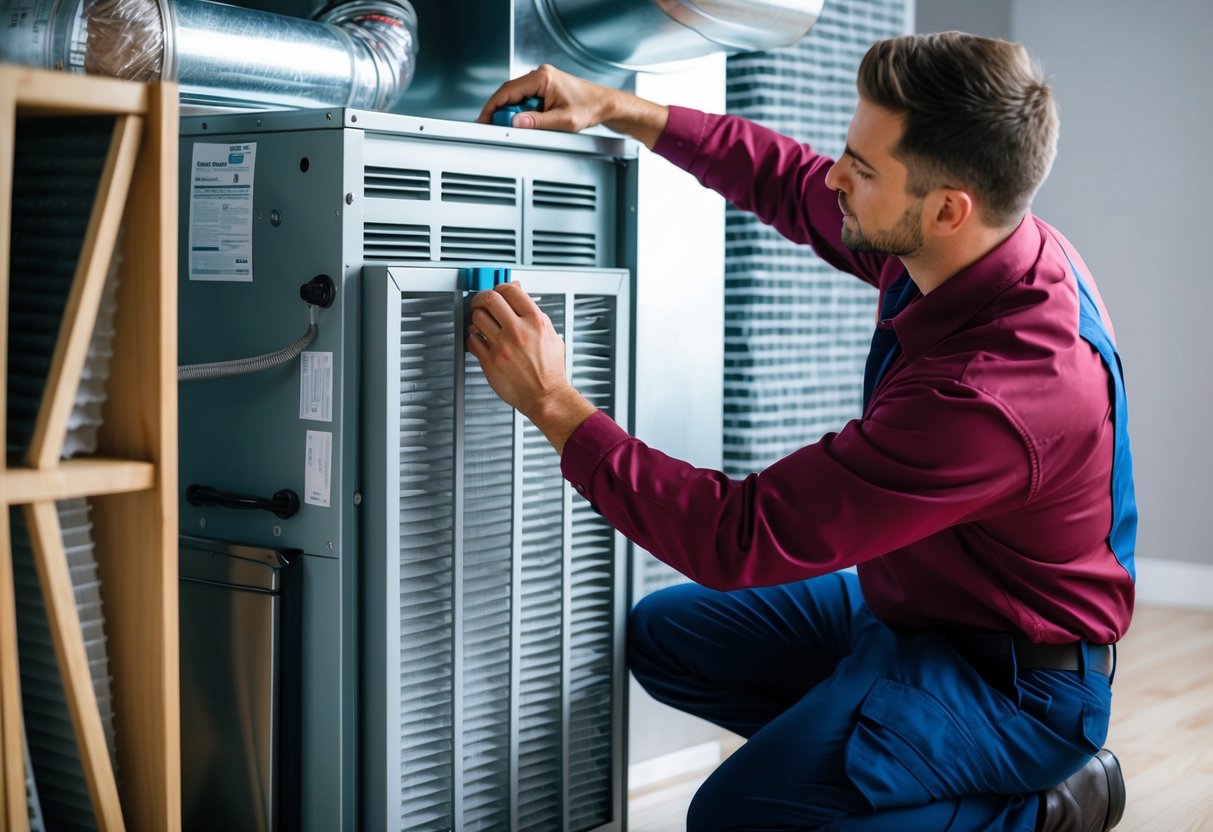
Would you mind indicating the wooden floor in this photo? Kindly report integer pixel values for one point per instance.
(1162, 731)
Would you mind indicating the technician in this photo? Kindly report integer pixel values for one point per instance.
(962, 679)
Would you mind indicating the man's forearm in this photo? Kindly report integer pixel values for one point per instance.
(559, 415)
(637, 117)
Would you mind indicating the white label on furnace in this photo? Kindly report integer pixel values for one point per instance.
(318, 468)
(221, 212)
(316, 386)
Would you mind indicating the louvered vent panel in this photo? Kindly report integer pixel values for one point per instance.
(497, 245)
(593, 354)
(592, 559)
(486, 603)
(396, 183)
(540, 729)
(563, 248)
(385, 242)
(427, 672)
(508, 647)
(563, 195)
(476, 188)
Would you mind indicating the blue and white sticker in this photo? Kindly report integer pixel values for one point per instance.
(221, 212)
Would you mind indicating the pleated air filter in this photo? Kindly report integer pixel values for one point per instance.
(58, 777)
(57, 168)
(56, 171)
(507, 710)
(796, 331)
(36, 824)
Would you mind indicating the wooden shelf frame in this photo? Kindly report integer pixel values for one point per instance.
(133, 480)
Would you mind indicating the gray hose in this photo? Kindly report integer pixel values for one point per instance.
(253, 364)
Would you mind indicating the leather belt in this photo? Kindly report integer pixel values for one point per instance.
(991, 653)
(1032, 656)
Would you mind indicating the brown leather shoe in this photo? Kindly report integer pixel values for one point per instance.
(1090, 800)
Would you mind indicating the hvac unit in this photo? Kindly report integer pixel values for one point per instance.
(462, 612)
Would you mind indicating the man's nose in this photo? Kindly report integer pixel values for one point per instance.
(834, 178)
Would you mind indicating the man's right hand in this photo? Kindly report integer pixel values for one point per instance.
(572, 104)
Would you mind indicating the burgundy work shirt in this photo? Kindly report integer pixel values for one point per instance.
(975, 491)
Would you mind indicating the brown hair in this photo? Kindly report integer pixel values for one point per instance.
(977, 113)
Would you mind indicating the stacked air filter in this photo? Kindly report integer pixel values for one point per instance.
(36, 823)
(57, 773)
(56, 172)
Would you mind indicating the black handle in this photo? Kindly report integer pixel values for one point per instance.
(284, 503)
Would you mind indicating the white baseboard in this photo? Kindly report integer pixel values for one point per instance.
(1176, 583)
(673, 765)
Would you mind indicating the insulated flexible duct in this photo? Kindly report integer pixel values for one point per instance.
(360, 53)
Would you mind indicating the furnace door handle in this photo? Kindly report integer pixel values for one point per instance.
(284, 503)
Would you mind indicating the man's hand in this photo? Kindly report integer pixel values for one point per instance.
(523, 359)
(572, 104)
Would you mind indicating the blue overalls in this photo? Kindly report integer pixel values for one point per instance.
(852, 725)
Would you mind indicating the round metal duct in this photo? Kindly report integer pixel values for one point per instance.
(357, 53)
(637, 34)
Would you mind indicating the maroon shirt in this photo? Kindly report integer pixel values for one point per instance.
(975, 491)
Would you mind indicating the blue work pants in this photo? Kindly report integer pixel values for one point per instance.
(855, 725)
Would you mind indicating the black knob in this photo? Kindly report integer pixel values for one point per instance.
(284, 503)
(319, 291)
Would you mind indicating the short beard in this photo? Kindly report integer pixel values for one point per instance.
(901, 240)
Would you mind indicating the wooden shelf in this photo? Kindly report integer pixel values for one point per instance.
(132, 483)
(86, 477)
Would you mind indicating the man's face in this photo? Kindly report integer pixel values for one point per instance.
(878, 215)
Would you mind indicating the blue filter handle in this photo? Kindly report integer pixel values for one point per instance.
(481, 278)
(504, 117)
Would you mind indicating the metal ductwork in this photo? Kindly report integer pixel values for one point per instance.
(360, 53)
(638, 34)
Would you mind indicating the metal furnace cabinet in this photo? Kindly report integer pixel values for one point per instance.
(462, 619)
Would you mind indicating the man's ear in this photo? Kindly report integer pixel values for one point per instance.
(947, 210)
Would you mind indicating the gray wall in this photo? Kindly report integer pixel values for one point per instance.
(991, 18)
(1129, 188)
